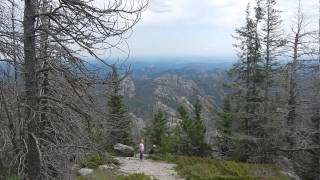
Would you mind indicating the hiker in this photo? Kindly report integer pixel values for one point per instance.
(141, 149)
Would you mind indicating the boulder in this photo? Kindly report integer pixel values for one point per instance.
(107, 167)
(85, 172)
(123, 150)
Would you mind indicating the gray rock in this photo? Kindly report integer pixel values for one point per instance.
(287, 167)
(291, 175)
(85, 172)
(284, 163)
(107, 167)
(123, 150)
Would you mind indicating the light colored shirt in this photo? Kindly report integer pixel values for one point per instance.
(141, 147)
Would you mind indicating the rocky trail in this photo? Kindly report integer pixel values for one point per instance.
(158, 170)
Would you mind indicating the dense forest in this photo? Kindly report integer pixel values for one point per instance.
(62, 102)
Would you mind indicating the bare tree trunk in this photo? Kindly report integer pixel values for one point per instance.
(10, 121)
(316, 119)
(292, 102)
(15, 61)
(267, 60)
(32, 170)
(292, 99)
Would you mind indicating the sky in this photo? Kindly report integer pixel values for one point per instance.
(198, 28)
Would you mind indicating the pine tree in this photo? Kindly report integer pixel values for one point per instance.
(199, 129)
(249, 70)
(250, 77)
(273, 42)
(193, 132)
(119, 124)
(225, 123)
(158, 129)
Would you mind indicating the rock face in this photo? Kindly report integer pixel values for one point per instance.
(127, 88)
(123, 150)
(85, 172)
(107, 167)
(137, 125)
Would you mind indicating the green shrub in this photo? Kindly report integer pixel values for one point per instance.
(167, 157)
(108, 175)
(134, 177)
(195, 168)
(13, 177)
(92, 161)
(113, 160)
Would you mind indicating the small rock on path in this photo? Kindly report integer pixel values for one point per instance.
(158, 170)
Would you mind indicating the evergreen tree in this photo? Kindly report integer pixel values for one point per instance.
(249, 74)
(225, 123)
(249, 70)
(158, 129)
(119, 124)
(193, 132)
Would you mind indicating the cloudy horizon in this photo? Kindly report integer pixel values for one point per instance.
(190, 28)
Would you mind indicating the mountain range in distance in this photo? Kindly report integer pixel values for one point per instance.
(140, 68)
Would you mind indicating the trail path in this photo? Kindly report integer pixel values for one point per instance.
(158, 170)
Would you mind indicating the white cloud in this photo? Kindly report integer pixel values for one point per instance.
(199, 27)
(225, 13)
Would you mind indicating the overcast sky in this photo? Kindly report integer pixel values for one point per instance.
(171, 28)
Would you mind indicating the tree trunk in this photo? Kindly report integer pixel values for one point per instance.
(32, 168)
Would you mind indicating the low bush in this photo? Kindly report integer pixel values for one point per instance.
(167, 157)
(92, 161)
(197, 168)
(108, 175)
(134, 177)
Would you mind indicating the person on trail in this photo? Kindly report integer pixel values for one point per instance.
(141, 149)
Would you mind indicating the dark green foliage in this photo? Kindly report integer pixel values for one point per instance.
(196, 168)
(158, 129)
(119, 124)
(169, 142)
(134, 177)
(13, 177)
(111, 175)
(92, 161)
(258, 48)
(161, 136)
(225, 123)
(192, 132)
(166, 157)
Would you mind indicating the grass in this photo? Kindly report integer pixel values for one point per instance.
(108, 175)
(134, 177)
(196, 168)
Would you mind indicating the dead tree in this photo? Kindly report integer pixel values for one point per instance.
(297, 45)
(57, 35)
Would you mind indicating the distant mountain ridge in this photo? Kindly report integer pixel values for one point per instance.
(153, 85)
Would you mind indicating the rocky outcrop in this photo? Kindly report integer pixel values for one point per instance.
(127, 88)
(171, 87)
(138, 124)
(123, 150)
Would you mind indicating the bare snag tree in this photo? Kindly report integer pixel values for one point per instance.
(52, 41)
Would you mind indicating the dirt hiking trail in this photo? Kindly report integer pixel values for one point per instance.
(158, 170)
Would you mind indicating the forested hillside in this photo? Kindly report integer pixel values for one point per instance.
(69, 105)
